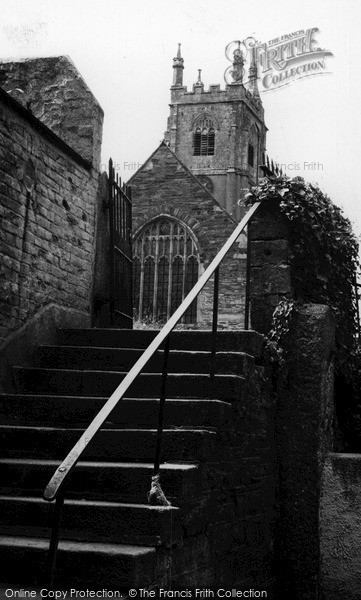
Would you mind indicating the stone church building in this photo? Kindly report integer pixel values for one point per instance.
(186, 198)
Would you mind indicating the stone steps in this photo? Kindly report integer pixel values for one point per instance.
(249, 342)
(110, 536)
(79, 410)
(116, 359)
(109, 444)
(99, 383)
(81, 564)
(119, 481)
(91, 520)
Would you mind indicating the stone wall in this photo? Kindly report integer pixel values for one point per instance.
(270, 269)
(251, 508)
(101, 289)
(341, 527)
(53, 91)
(237, 117)
(163, 186)
(229, 533)
(304, 408)
(305, 412)
(48, 212)
(223, 115)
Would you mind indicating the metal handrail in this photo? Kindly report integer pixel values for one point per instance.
(55, 490)
(57, 481)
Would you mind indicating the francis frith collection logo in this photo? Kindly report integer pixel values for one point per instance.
(278, 62)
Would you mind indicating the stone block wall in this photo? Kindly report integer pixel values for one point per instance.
(48, 209)
(237, 118)
(304, 407)
(270, 269)
(223, 117)
(165, 187)
(53, 91)
(229, 531)
(340, 518)
(305, 412)
(245, 530)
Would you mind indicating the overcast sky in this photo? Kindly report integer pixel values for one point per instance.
(124, 51)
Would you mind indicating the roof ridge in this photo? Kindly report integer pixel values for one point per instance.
(199, 182)
(164, 143)
(128, 182)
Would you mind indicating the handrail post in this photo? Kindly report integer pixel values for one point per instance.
(54, 540)
(161, 407)
(111, 244)
(248, 279)
(357, 285)
(70, 461)
(214, 322)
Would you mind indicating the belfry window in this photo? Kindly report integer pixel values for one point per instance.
(165, 268)
(204, 138)
(197, 142)
(210, 142)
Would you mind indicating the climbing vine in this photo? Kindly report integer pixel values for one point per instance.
(281, 320)
(324, 249)
(324, 260)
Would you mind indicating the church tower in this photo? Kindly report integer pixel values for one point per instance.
(220, 135)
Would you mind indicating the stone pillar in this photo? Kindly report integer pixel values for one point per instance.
(101, 281)
(270, 270)
(341, 528)
(304, 403)
(304, 418)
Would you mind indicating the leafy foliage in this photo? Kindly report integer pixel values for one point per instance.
(324, 259)
(281, 319)
(324, 250)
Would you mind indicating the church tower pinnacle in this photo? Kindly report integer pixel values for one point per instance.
(253, 76)
(219, 135)
(178, 67)
(198, 85)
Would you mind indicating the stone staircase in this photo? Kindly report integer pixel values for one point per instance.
(110, 537)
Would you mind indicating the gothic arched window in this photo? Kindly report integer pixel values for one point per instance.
(165, 268)
(204, 137)
(197, 141)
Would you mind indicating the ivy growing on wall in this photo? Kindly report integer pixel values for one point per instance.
(280, 326)
(324, 249)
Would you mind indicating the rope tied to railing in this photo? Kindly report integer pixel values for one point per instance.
(156, 495)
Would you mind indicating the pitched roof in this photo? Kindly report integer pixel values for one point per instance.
(188, 171)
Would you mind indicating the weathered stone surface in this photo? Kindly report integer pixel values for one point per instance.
(48, 204)
(101, 291)
(270, 268)
(238, 121)
(269, 223)
(227, 499)
(42, 328)
(269, 252)
(194, 554)
(340, 527)
(262, 309)
(53, 90)
(304, 435)
(271, 279)
(165, 187)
